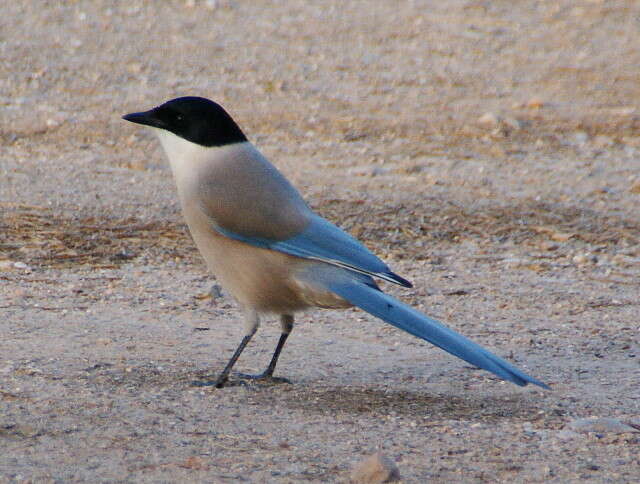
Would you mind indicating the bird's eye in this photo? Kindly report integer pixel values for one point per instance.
(179, 117)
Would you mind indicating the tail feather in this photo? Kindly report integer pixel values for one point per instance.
(383, 306)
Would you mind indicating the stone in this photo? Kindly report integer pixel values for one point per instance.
(375, 469)
(489, 119)
(601, 425)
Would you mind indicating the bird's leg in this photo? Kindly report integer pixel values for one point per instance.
(252, 321)
(286, 323)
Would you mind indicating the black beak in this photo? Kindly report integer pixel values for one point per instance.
(147, 118)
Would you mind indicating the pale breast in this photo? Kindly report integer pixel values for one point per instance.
(257, 278)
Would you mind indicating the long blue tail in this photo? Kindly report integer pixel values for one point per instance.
(383, 306)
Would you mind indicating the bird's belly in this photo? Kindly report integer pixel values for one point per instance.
(261, 279)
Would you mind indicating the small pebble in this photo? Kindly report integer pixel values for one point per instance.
(375, 469)
(489, 119)
(535, 103)
(547, 245)
(579, 138)
(585, 258)
(601, 425)
(513, 123)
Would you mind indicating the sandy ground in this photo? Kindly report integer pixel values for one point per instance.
(488, 150)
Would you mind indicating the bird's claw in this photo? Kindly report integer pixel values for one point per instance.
(263, 378)
(209, 383)
(242, 379)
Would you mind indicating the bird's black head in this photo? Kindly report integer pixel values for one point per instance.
(196, 119)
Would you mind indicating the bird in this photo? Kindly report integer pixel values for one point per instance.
(269, 249)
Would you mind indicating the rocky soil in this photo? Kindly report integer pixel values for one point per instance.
(488, 150)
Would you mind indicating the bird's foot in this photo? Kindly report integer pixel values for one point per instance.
(242, 379)
(263, 378)
(219, 383)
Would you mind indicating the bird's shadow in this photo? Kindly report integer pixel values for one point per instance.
(384, 402)
(319, 398)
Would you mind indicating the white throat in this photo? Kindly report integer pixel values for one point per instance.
(187, 158)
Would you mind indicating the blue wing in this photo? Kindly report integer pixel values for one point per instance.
(362, 292)
(323, 241)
